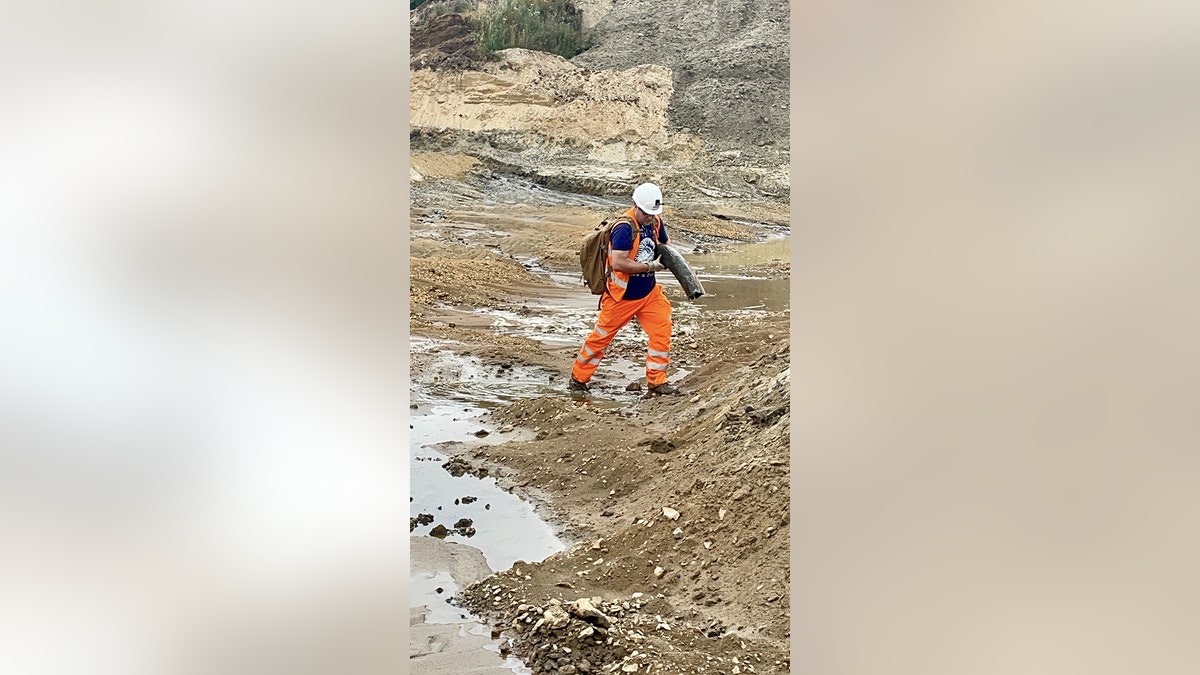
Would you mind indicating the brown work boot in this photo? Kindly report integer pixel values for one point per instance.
(665, 389)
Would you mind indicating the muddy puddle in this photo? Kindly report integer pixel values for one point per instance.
(451, 393)
(506, 528)
(741, 278)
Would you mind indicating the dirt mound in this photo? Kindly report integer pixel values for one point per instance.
(443, 42)
(686, 527)
(729, 62)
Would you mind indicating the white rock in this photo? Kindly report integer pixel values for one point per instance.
(707, 544)
(584, 609)
(658, 572)
(677, 533)
(556, 617)
(721, 514)
(670, 513)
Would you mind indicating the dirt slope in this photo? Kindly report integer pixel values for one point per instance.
(686, 509)
(728, 60)
(694, 100)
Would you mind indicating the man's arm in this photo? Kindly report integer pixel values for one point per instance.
(623, 264)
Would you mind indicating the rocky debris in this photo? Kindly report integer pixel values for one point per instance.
(634, 386)
(659, 445)
(464, 527)
(481, 433)
(584, 609)
(556, 617)
(468, 499)
(585, 635)
(457, 466)
(670, 513)
(421, 520)
(439, 531)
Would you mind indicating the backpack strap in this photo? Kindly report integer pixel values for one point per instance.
(623, 219)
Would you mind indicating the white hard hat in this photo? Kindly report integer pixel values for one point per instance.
(648, 198)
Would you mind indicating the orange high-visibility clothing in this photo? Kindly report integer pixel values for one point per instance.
(618, 282)
(653, 312)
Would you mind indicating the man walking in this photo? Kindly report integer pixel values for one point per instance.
(632, 291)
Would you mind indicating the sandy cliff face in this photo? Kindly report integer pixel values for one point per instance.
(608, 116)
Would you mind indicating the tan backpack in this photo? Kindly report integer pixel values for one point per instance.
(593, 256)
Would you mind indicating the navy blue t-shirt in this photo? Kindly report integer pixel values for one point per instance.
(640, 285)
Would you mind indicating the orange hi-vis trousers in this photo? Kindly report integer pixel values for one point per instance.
(653, 312)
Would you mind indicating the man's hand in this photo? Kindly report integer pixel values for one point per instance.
(656, 266)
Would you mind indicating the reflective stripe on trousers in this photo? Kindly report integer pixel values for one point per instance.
(653, 312)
